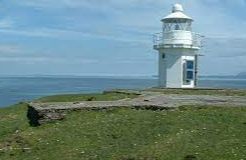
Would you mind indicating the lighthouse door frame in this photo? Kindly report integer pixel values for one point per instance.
(188, 74)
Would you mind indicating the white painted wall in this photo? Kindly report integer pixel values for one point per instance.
(174, 75)
(162, 70)
(177, 37)
(171, 68)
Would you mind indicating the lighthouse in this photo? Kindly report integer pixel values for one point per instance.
(178, 47)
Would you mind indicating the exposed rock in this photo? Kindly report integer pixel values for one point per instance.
(39, 113)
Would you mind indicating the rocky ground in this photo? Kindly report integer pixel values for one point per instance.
(39, 113)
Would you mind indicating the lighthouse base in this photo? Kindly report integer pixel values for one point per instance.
(177, 68)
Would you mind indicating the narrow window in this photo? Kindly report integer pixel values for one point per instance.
(163, 56)
(190, 64)
(189, 75)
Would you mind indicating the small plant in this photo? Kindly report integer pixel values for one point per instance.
(190, 157)
(90, 98)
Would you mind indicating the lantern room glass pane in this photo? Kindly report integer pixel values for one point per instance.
(177, 25)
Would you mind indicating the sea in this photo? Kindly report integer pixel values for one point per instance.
(18, 89)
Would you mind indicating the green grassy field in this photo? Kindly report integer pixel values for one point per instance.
(107, 96)
(187, 133)
(220, 92)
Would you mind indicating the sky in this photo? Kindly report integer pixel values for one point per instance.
(113, 37)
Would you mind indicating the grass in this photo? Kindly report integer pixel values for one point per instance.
(220, 92)
(127, 134)
(107, 96)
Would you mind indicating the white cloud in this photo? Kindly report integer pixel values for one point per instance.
(211, 20)
(34, 60)
(223, 47)
(134, 21)
(85, 3)
(6, 23)
(9, 49)
(22, 59)
(31, 33)
(74, 35)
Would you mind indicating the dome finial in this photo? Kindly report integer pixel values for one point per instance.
(177, 8)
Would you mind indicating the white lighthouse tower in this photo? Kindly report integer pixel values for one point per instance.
(178, 49)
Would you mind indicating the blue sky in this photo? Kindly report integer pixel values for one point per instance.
(113, 37)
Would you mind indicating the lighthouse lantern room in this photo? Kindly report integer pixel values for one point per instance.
(178, 49)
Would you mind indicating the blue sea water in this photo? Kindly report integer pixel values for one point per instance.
(16, 89)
